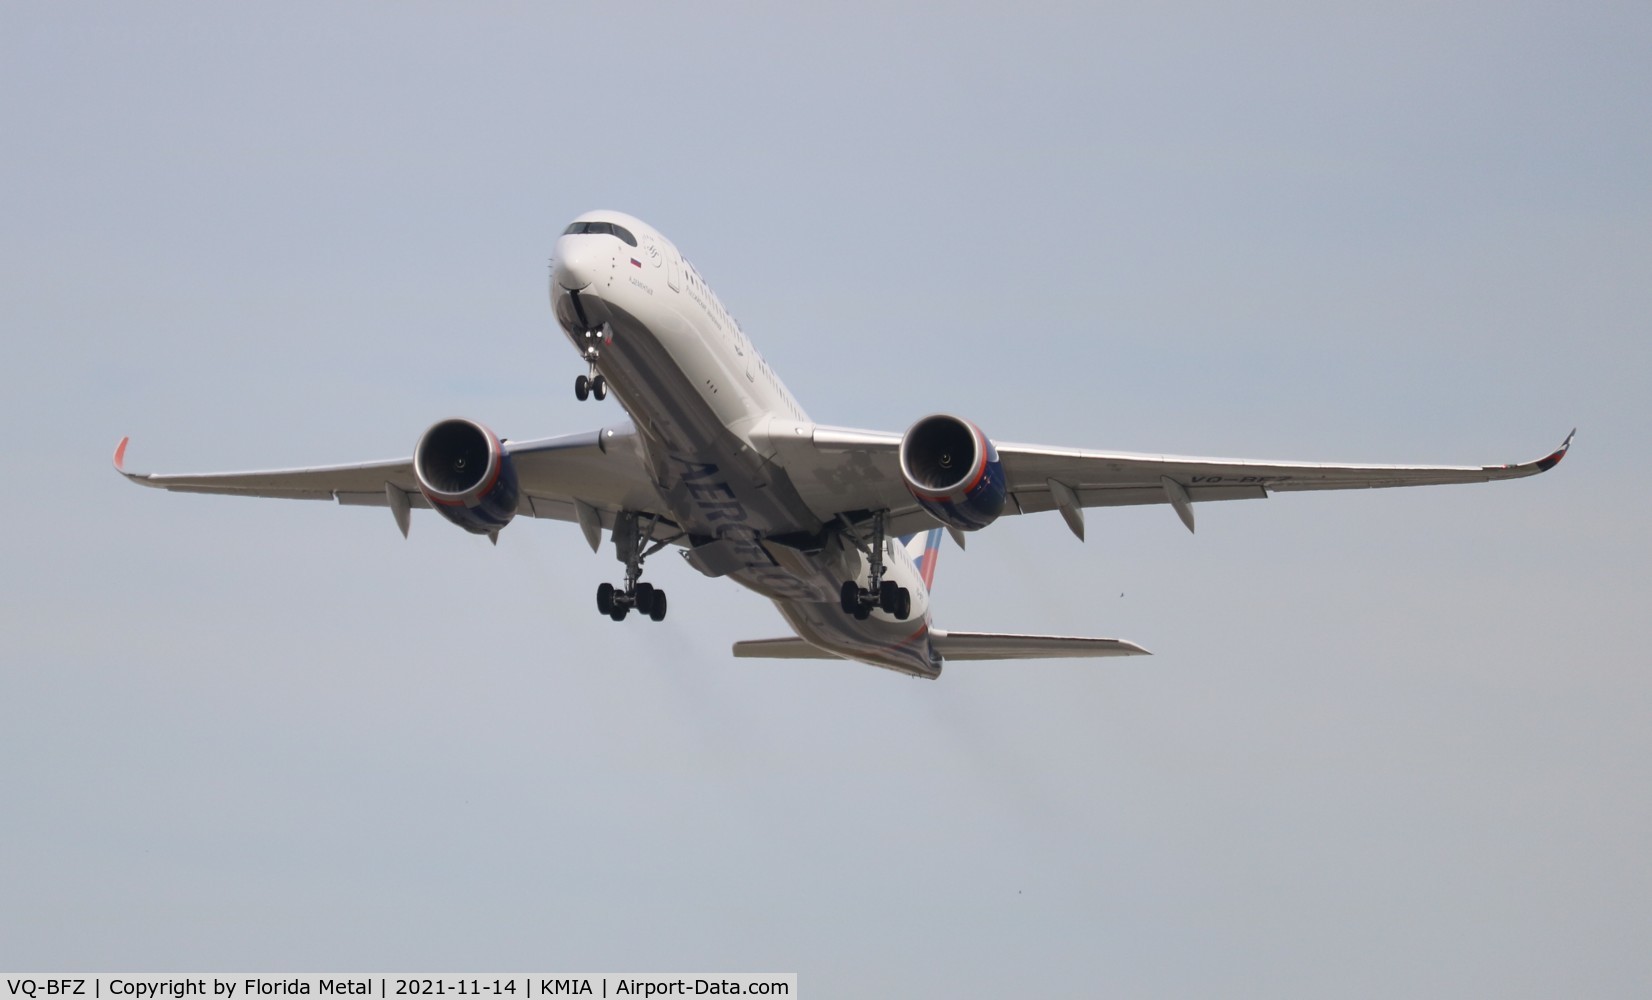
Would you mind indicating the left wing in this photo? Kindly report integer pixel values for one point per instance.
(587, 478)
(860, 470)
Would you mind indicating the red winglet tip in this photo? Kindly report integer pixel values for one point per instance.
(1545, 464)
(120, 455)
(1565, 445)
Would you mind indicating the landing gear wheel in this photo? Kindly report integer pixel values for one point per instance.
(599, 387)
(582, 388)
(632, 536)
(903, 605)
(878, 594)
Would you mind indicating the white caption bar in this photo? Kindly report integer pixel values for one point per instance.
(395, 986)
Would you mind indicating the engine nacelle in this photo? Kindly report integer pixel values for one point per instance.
(953, 471)
(464, 472)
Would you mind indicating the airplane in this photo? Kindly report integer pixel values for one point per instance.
(839, 527)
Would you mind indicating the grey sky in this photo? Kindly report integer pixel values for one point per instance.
(1392, 743)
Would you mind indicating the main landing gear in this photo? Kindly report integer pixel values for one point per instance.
(630, 537)
(880, 594)
(617, 603)
(592, 384)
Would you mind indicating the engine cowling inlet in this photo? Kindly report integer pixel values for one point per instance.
(467, 477)
(951, 468)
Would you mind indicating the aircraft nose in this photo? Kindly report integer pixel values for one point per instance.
(576, 264)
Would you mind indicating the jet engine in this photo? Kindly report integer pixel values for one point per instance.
(464, 472)
(953, 471)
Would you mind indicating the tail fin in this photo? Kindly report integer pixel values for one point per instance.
(924, 550)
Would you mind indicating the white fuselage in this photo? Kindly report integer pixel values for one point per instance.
(714, 424)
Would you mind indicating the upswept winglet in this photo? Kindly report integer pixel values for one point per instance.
(1518, 469)
(1545, 464)
(141, 478)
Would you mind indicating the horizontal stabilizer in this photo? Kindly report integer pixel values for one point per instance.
(1003, 646)
(789, 648)
(960, 646)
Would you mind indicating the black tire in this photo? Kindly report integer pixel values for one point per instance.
(582, 387)
(645, 597)
(862, 612)
(619, 613)
(657, 611)
(605, 598)
(599, 387)
(903, 605)
(850, 597)
(888, 593)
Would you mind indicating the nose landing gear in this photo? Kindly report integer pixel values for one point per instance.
(592, 384)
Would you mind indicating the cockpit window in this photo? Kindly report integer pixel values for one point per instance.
(600, 228)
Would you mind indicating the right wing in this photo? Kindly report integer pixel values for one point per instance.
(1042, 478)
(844, 469)
(587, 478)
